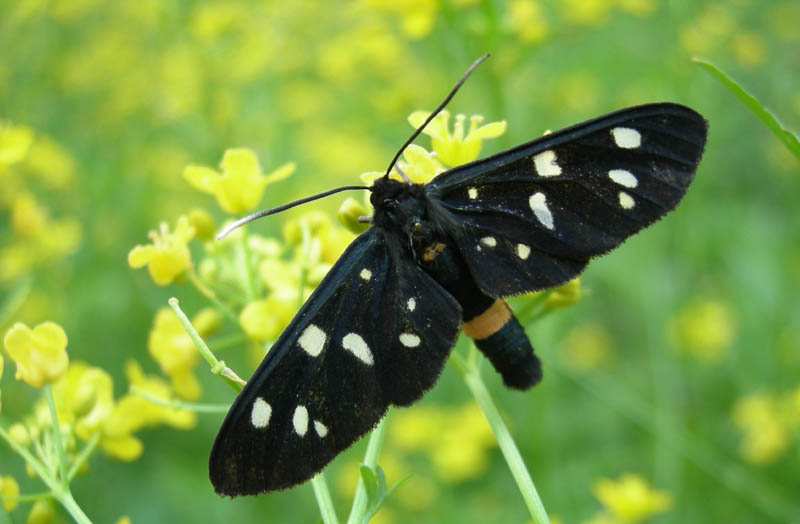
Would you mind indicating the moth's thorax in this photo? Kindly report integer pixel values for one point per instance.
(403, 209)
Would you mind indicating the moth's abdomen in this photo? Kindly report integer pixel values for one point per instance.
(499, 336)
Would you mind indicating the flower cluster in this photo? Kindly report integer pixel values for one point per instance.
(769, 423)
(82, 398)
(628, 500)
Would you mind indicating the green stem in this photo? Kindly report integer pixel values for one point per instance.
(84, 455)
(324, 500)
(62, 457)
(56, 490)
(179, 404)
(217, 366)
(469, 371)
(374, 445)
(250, 285)
(211, 295)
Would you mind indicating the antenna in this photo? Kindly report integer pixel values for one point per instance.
(436, 111)
(258, 214)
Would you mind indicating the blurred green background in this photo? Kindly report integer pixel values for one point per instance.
(681, 362)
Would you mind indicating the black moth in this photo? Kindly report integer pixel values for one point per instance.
(439, 258)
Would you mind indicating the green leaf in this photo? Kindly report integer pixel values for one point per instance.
(371, 485)
(787, 136)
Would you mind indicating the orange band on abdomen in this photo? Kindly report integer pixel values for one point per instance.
(489, 322)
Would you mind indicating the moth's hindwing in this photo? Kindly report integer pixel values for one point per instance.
(375, 332)
(532, 217)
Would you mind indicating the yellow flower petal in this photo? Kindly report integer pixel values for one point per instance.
(140, 255)
(40, 354)
(240, 162)
(281, 173)
(201, 178)
(9, 492)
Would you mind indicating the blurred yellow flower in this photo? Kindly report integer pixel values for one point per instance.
(564, 295)
(456, 148)
(586, 12)
(264, 319)
(40, 353)
(42, 512)
(457, 439)
(133, 412)
(202, 223)
(417, 16)
(630, 499)
(526, 20)
(586, 346)
(15, 142)
(241, 184)
(748, 48)
(704, 329)
(9, 492)
(84, 398)
(168, 256)
(51, 163)
(28, 217)
(766, 431)
(173, 349)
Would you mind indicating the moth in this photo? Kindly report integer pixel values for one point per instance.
(438, 259)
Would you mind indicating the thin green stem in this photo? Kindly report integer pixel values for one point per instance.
(73, 508)
(179, 404)
(32, 461)
(249, 277)
(324, 500)
(359, 508)
(62, 457)
(211, 295)
(217, 366)
(84, 455)
(469, 371)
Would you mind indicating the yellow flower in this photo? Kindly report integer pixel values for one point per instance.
(766, 435)
(417, 16)
(456, 148)
(241, 184)
(587, 346)
(84, 398)
(704, 329)
(168, 256)
(134, 412)
(263, 320)
(42, 512)
(173, 349)
(526, 19)
(419, 166)
(630, 499)
(9, 492)
(51, 163)
(40, 353)
(15, 142)
(28, 217)
(203, 224)
(348, 215)
(457, 439)
(564, 295)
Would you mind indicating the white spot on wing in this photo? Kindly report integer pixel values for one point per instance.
(411, 304)
(489, 241)
(623, 177)
(625, 200)
(545, 163)
(523, 251)
(366, 274)
(312, 340)
(409, 340)
(259, 417)
(626, 138)
(320, 428)
(356, 345)
(300, 420)
(538, 203)
(473, 193)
